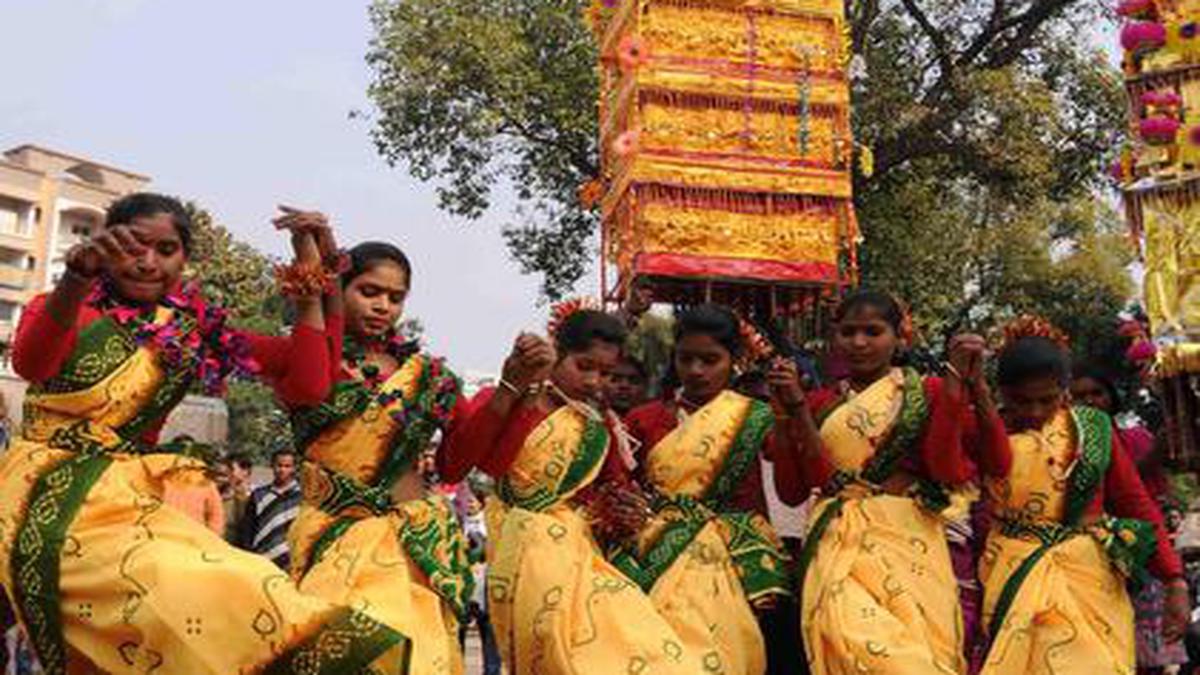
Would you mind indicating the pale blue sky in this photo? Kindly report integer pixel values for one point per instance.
(242, 105)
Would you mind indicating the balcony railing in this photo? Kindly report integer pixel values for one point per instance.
(15, 277)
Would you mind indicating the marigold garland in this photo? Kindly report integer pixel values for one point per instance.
(304, 280)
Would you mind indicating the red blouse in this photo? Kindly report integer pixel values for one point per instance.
(485, 440)
(953, 447)
(297, 366)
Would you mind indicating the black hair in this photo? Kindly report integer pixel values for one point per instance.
(146, 204)
(585, 326)
(1103, 377)
(1032, 357)
(285, 450)
(239, 459)
(365, 255)
(885, 304)
(715, 321)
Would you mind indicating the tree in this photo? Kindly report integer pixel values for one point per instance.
(988, 121)
(235, 275)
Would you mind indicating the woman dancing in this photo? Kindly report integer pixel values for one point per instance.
(1071, 519)
(367, 534)
(558, 607)
(103, 575)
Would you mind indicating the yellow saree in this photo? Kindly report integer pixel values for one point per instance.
(1053, 596)
(106, 578)
(405, 563)
(703, 565)
(879, 594)
(558, 607)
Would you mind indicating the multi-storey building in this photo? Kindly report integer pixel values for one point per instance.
(49, 200)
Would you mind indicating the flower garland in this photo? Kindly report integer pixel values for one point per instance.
(435, 400)
(195, 339)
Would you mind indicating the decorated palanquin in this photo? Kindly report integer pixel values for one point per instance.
(725, 146)
(1159, 173)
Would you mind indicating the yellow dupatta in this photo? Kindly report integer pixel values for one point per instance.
(704, 565)
(108, 579)
(879, 592)
(1054, 599)
(404, 564)
(558, 607)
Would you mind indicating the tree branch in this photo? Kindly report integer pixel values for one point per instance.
(940, 46)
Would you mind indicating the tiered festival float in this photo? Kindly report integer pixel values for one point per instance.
(727, 152)
(1160, 178)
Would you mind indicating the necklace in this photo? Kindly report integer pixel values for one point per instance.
(193, 335)
(355, 354)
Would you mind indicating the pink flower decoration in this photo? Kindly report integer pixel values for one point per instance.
(1142, 36)
(1116, 171)
(611, 3)
(626, 144)
(1159, 130)
(1162, 98)
(1141, 351)
(632, 53)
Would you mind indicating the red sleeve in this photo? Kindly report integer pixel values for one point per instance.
(954, 442)
(335, 333)
(795, 476)
(296, 366)
(1126, 497)
(942, 453)
(484, 439)
(42, 345)
(818, 468)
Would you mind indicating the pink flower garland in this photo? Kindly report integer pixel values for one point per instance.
(195, 338)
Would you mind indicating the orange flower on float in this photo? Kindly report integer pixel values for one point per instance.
(590, 193)
(626, 144)
(632, 53)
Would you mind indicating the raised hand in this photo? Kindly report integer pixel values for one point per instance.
(967, 353)
(530, 361)
(110, 247)
(786, 390)
(308, 229)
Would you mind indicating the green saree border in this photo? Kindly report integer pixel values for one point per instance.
(593, 444)
(759, 421)
(645, 570)
(1094, 436)
(347, 642)
(58, 495)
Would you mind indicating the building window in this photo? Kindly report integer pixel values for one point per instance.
(8, 311)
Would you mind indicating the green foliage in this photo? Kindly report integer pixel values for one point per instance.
(235, 275)
(988, 120)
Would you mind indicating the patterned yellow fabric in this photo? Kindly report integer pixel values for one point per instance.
(739, 106)
(364, 561)
(558, 607)
(879, 595)
(700, 592)
(1172, 262)
(852, 431)
(1072, 613)
(368, 568)
(137, 586)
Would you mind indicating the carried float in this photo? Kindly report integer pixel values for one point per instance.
(726, 154)
(1159, 176)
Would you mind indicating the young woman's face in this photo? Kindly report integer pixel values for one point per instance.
(148, 277)
(1088, 391)
(1033, 403)
(582, 375)
(374, 300)
(867, 342)
(704, 366)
